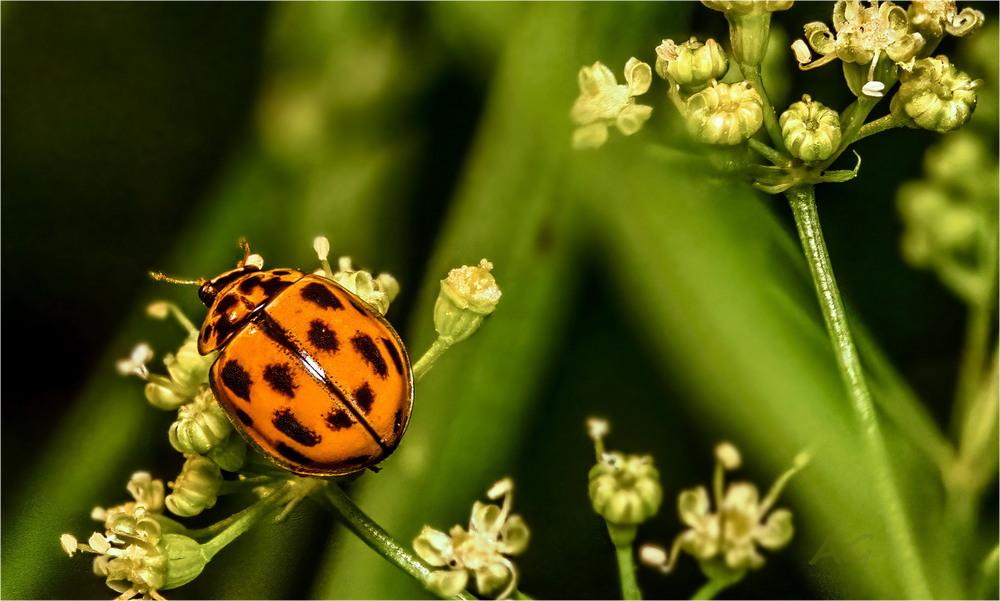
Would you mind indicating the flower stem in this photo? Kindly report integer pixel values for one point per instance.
(971, 369)
(768, 153)
(626, 571)
(878, 126)
(752, 75)
(375, 537)
(424, 364)
(803, 203)
(713, 587)
(244, 520)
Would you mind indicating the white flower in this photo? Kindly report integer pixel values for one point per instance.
(481, 551)
(603, 102)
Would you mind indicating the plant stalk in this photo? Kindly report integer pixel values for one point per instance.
(803, 203)
(375, 537)
(626, 572)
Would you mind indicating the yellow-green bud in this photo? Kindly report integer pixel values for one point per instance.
(811, 131)
(691, 64)
(724, 114)
(625, 490)
(185, 560)
(935, 95)
(188, 367)
(231, 454)
(164, 397)
(196, 488)
(201, 425)
(749, 23)
(467, 296)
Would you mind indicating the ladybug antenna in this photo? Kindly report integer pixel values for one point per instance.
(156, 275)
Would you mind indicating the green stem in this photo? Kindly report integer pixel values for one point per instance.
(626, 572)
(424, 364)
(375, 537)
(803, 203)
(852, 120)
(244, 520)
(970, 374)
(878, 126)
(778, 159)
(712, 588)
(752, 75)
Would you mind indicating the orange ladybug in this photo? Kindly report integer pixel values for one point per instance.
(307, 372)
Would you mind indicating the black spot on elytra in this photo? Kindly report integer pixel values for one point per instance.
(291, 454)
(244, 417)
(226, 303)
(338, 420)
(364, 397)
(250, 282)
(282, 272)
(286, 423)
(397, 421)
(281, 379)
(206, 331)
(320, 295)
(370, 353)
(393, 354)
(323, 337)
(237, 379)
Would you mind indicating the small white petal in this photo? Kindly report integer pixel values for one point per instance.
(322, 247)
(69, 544)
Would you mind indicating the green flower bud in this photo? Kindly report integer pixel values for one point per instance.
(935, 95)
(231, 454)
(467, 296)
(749, 24)
(188, 367)
(724, 114)
(196, 488)
(811, 131)
(625, 490)
(200, 427)
(185, 560)
(691, 64)
(165, 397)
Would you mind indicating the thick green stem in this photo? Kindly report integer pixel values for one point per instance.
(626, 573)
(971, 370)
(424, 364)
(375, 537)
(803, 203)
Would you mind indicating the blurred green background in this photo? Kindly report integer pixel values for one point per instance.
(638, 285)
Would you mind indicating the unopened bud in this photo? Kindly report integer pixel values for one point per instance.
(935, 95)
(196, 488)
(200, 427)
(810, 130)
(695, 63)
(467, 296)
(724, 114)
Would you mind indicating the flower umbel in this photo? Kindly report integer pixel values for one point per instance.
(483, 550)
(603, 102)
(725, 538)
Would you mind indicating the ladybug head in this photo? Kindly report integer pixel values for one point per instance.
(211, 289)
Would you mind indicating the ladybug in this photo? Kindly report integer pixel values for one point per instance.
(307, 372)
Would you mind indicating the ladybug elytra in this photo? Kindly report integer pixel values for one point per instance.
(307, 372)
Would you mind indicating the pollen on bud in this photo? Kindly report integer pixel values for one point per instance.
(654, 556)
(254, 260)
(724, 113)
(196, 488)
(811, 131)
(935, 95)
(69, 544)
(321, 244)
(158, 309)
(694, 64)
(597, 428)
(467, 296)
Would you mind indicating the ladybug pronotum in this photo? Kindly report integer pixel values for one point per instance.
(307, 372)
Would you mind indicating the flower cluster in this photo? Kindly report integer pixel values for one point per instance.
(137, 554)
(604, 103)
(724, 538)
(482, 551)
